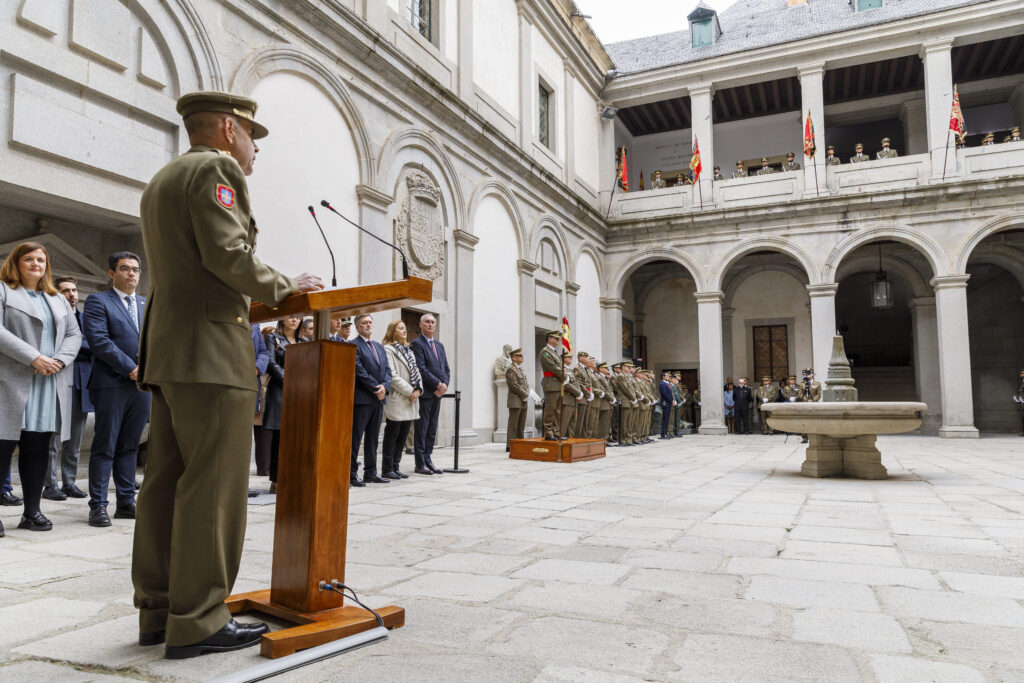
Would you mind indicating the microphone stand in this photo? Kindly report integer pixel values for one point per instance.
(405, 266)
(334, 270)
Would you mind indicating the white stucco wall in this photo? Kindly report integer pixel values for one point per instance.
(295, 169)
(670, 323)
(548, 65)
(769, 297)
(496, 51)
(450, 34)
(587, 335)
(495, 302)
(586, 135)
(754, 138)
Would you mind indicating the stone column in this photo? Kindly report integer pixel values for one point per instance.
(709, 322)
(912, 116)
(926, 361)
(611, 329)
(823, 327)
(462, 360)
(527, 83)
(727, 350)
(702, 117)
(954, 356)
(376, 261)
(527, 311)
(813, 100)
(465, 82)
(938, 93)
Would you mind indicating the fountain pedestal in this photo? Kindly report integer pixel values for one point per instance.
(856, 457)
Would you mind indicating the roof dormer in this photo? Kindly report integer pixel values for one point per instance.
(865, 5)
(704, 28)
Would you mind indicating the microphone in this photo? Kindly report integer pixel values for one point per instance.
(334, 270)
(405, 266)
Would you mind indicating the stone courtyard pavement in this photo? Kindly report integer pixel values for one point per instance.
(697, 559)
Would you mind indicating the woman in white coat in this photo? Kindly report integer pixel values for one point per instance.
(403, 406)
(39, 339)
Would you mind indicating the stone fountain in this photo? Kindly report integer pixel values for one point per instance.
(842, 430)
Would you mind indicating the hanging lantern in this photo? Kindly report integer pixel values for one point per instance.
(881, 288)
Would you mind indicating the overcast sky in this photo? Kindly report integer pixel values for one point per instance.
(615, 20)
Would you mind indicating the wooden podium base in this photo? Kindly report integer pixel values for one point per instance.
(313, 628)
(570, 450)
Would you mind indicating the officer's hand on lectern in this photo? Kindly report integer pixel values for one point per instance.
(308, 283)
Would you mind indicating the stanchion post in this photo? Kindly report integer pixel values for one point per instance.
(458, 410)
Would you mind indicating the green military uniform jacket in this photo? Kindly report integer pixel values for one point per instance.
(832, 161)
(766, 171)
(859, 157)
(573, 391)
(739, 174)
(624, 390)
(551, 362)
(815, 390)
(887, 153)
(790, 393)
(199, 236)
(603, 384)
(795, 166)
(769, 392)
(518, 387)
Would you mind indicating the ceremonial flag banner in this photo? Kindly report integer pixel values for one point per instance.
(809, 146)
(623, 179)
(956, 117)
(641, 179)
(565, 335)
(695, 166)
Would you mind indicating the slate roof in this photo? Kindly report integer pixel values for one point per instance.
(751, 24)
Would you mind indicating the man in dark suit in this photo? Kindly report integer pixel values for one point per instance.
(63, 466)
(668, 401)
(433, 365)
(743, 400)
(112, 328)
(373, 379)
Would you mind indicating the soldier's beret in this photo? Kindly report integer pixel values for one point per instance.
(554, 333)
(764, 160)
(516, 352)
(224, 103)
(885, 140)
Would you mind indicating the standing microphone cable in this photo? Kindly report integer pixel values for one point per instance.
(334, 270)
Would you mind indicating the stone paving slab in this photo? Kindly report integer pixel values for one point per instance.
(721, 564)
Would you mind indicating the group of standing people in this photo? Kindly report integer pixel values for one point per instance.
(58, 364)
(741, 401)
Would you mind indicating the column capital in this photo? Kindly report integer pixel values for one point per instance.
(571, 288)
(922, 302)
(949, 282)
(611, 303)
(526, 267)
(373, 198)
(709, 297)
(698, 89)
(465, 239)
(938, 45)
(810, 70)
(822, 289)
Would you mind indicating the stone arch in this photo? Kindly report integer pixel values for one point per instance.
(1002, 255)
(617, 282)
(778, 244)
(500, 190)
(391, 165)
(587, 247)
(897, 233)
(287, 58)
(547, 226)
(730, 286)
(863, 264)
(963, 252)
(204, 55)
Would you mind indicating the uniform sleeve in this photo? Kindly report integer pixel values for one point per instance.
(221, 232)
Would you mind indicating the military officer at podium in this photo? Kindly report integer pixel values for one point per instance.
(195, 356)
(518, 398)
(551, 366)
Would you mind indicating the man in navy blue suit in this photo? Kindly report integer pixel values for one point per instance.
(112, 328)
(433, 365)
(373, 379)
(667, 402)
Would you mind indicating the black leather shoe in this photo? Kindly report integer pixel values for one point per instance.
(98, 517)
(401, 475)
(54, 494)
(354, 480)
(126, 512)
(422, 470)
(374, 479)
(551, 438)
(74, 492)
(234, 636)
(35, 522)
(154, 638)
(8, 498)
(433, 469)
(390, 475)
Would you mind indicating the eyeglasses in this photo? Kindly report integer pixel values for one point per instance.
(129, 269)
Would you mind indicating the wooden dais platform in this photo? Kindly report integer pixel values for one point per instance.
(570, 450)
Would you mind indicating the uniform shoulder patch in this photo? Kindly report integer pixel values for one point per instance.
(225, 196)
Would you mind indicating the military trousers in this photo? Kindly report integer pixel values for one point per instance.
(552, 408)
(590, 426)
(604, 423)
(567, 414)
(629, 424)
(190, 514)
(516, 425)
(578, 427)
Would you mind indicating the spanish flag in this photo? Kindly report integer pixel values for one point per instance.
(565, 335)
(695, 165)
(622, 177)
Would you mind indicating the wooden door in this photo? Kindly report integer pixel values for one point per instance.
(687, 378)
(412, 323)
(771, 353)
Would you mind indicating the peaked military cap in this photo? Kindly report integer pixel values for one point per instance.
(346, 321)
(739, 163)
(790, 154)
(1007, 138)
(989, 136)
(791, 377)
(858, 146)
(224, 103)
(583, 354)
(809, 371)
(618, 366)
(716, 168)
(553, 333)
(830, 148)
(516, 352)
(764, 160)
(885, 140)
(628, 364)
(566, 353)
(766, 379)
(602, 364)
(1015, 129)
(657, 172)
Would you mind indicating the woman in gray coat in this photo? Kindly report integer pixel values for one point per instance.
(39, 339)
(403, 405)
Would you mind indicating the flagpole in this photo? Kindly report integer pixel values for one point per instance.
(814, 162)
(945, 156)
(700, 193)
(611, 195)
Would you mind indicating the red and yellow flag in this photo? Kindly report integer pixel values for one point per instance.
(622, 177)
(956, 117)
(565, 335)
(809, 146)
(695, 166)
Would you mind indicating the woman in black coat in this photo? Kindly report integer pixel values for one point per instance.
(287, 333)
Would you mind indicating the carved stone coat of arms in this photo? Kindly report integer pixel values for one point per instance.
(419, 230)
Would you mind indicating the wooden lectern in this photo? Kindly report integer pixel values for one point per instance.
(311, 523)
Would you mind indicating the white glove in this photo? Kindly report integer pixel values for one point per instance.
(764, 400)
(699, 403)
(534, 396)
(590, 398)
(792, 399)
(565, 380)
(634, 401)
(602, 394)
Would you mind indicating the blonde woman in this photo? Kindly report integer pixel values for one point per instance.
(39, 339)
(402, 407)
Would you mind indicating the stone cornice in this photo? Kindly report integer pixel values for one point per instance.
(526, 267)
(373, 198)
(465, 239)
(949, 282)
(807, 70)
(571, 288)
(939, 45)
(822, 290)
(611, 303)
